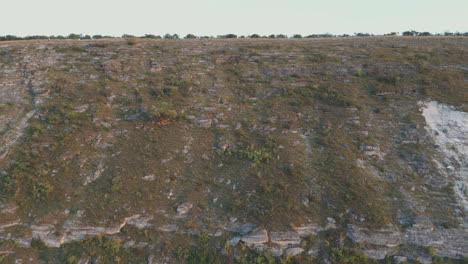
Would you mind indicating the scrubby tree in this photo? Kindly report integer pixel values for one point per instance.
(74, 36)
(230, 36)
(169, 36)
(190, 36)
(254, 36)
(36, 37)
(410, 33)
(9, 37)
(151, 36)
(360, 34)
(424, 34)
(297, 36)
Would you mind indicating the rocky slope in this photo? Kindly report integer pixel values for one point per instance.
(345, 150)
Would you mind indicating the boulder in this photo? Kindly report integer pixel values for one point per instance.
(294, 251)
(257, 237)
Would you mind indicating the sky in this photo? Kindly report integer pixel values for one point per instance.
(219, 17)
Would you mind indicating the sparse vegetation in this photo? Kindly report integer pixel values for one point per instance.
(251, 153)
(277, 133)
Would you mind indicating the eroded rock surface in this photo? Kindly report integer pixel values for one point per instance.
(449, 129)
(295, 140)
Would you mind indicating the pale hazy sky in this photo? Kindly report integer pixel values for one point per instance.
(242, 17)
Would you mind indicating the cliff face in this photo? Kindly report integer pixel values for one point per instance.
(166, 151)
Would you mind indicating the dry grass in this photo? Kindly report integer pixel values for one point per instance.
(294, 100)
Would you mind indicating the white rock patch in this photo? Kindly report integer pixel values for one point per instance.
(448, 128)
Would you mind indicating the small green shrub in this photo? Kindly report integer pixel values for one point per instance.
(41, 190)
(331, 97)
(76, 48)
(348, 256)
(256, 156)
(116, 184)
(163, 111)
(359, 73)
(327, 95)
(163, 92)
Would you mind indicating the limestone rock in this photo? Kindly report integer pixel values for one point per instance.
(313, 252)
(167, 228)
(81, 108)
(400, 259)
(205, 122)
(140, 221)
(128, 244)
(234, 241)
(276, 251)
(449, 129)
(184, 208)
(294, 251)
(312, 229)
(95, 175)
(285, 238)
(389, 237)
(257, 237)
(150, 177)
(241, 228)
(151, 259)
(84, 260)
(378, 253)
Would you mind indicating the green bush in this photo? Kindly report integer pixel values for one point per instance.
(327, 95)
(163, 92)
(331, 97)
(256, 156)
(163, 111)
(41, 190)
(76, 48)
(190, 36)
(116, 184)
(348, 256)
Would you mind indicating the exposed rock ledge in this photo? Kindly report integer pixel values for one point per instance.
(449, 130)
(446, 242)
(378, 243)
(285, 242)
(72, 230)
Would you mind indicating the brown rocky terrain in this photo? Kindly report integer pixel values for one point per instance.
(343, 150)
